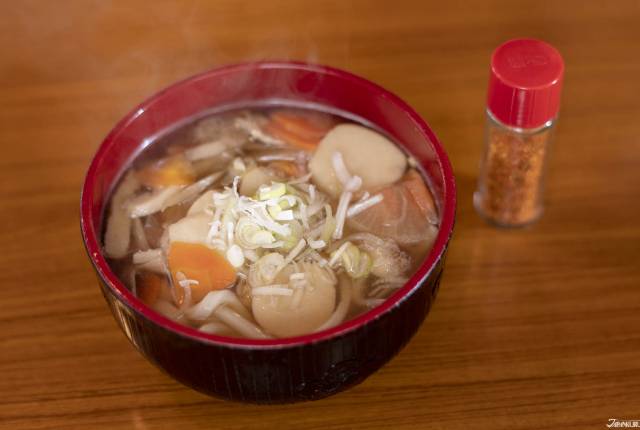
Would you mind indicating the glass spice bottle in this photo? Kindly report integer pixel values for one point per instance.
(522, 106)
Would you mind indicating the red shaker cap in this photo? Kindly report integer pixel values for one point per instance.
(525, 83)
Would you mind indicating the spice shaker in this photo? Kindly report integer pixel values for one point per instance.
(522, 106)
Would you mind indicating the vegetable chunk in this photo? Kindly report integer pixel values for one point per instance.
(406, 214)
(282, 316)
(303, 130)
(367, 154)
(201, 264)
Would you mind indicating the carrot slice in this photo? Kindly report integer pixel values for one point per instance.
(149, 286)
(175, 170)
(309, 124)
(414, 183)
(303, 130)
(197, 262)
(299, 141)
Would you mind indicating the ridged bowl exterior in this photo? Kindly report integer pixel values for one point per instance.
(307, 367)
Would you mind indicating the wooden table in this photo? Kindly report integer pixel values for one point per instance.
(533, 329)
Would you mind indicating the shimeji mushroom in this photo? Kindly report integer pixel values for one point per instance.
(118, 233)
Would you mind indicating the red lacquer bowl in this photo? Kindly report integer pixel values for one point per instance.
(279, 370)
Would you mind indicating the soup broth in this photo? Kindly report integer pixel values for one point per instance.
(269, 222)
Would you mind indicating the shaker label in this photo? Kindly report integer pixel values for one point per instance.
(521, 60)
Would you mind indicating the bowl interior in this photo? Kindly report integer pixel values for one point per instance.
(251, 84)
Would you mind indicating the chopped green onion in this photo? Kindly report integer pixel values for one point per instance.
(292, 239)
(284, 215)
(262, 237)
(329, 225)
(327, 230)
(277, 189)
(355, 262)
(235, 256)
(274, 211)
(287, 201)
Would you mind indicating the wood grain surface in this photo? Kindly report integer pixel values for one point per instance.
(536, 328)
